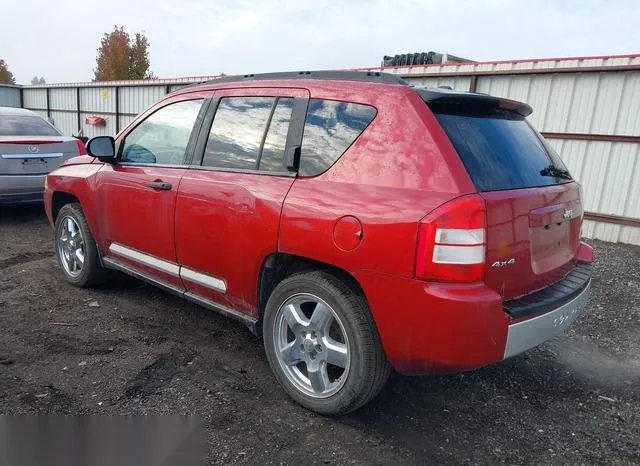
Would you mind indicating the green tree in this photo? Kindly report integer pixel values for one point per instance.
(121, 58)
(6, 76)
(37, 80)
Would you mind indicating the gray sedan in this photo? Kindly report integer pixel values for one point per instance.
(30, 147)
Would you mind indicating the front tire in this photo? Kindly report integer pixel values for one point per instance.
(76, 249)
(322, 343)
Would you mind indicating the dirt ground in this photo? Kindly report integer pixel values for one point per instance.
(574, 400)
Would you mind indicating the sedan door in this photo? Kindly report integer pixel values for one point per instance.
(137, 195)
(230, 198)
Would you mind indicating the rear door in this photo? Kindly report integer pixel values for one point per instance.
(534, 208)
(230, 198)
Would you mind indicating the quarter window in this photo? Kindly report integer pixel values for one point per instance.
(163, 137)
(330, 128)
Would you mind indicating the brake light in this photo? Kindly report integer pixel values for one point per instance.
(452, 241)
(81, 149)
(31, 141)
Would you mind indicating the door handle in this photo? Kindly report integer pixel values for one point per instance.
(162, 185)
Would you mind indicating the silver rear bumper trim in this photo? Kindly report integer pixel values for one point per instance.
(533, 332)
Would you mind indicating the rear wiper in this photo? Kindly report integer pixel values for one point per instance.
(556, 172)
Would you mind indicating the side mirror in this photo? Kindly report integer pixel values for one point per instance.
(102, 147)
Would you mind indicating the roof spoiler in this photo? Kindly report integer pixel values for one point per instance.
(470, 99)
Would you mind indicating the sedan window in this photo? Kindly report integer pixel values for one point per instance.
(25, 125)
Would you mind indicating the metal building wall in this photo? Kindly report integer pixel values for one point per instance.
(595, 103)
(9, 96)
(511, 67)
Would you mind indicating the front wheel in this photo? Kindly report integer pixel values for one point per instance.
(76, 249)
(322, 344)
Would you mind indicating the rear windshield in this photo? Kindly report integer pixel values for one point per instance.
(25, 125)
(500, 150)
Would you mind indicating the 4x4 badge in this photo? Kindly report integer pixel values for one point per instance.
(498, 264)
(567, 213)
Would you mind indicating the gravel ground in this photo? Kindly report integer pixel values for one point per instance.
(128, 348)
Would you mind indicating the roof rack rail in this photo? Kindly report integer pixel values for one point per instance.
(367, 76)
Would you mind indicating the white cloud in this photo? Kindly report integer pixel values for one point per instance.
(196, 37)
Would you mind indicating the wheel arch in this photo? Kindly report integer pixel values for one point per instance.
(58, 200)
(278, 266)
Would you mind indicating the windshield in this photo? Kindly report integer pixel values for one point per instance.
(500, 150)
(25, 125)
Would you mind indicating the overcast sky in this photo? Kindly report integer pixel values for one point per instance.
(58, 40)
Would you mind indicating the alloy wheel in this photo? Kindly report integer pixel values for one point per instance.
(311, 345)
(71, 248)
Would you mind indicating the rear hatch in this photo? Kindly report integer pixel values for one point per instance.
(31, 146)
(533, 206)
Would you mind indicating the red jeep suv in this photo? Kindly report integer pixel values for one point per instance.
(356, 222)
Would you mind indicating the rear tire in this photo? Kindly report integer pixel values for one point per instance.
(76, 249)
(322, 343)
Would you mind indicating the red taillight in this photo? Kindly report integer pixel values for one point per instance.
(452, 241)
(81, 149)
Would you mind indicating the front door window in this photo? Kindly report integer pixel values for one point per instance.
(163, 137)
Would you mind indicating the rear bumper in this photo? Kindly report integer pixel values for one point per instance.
(532, 332)
(16, 189)
(429, 328)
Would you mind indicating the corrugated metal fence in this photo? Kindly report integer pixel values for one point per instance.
(587, 107)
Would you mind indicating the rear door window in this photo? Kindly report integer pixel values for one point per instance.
(249, 133)
(330, 128)
(25, 125)
(499, 149)
(237, 132)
